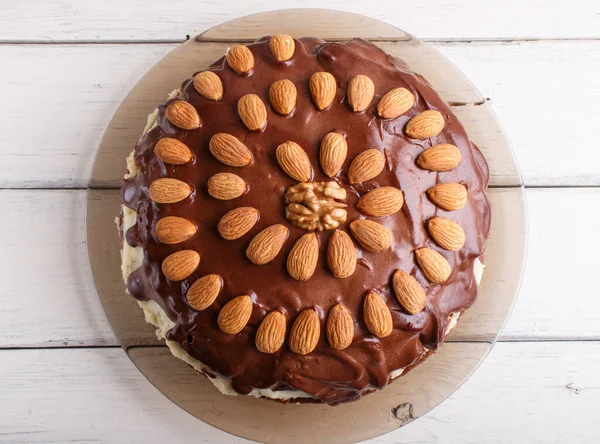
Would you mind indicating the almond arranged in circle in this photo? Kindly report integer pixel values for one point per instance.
(441, 157)
(294, 161)
(203, 292)
(435, 267)
(181, 264)
(360, 92)
(449, 196)
(322, 87)
(425, 125)
(382, 201)
(305, 332)
(409, 293)
(302, 259)
(267, 244)
(282, 96)
(167, 190)
(240, 59)
(172, 151)
(333, 153)
(235, 314)
(229, 150)
(237, 222)
(271, 332)
(226, 186)
(366, 166)
(340, 327)
(208, 85)
(183, 115)
(377, 315)
(173, 230)
(253, 112)
(447, 233)
(282, 47)
(394, 103)
(371, 236)
(341, 254)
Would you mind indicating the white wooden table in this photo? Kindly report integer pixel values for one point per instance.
(64, 68)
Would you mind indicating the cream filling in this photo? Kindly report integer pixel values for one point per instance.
(132, 259)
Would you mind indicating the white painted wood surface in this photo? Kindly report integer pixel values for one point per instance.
(536, 88)
(143, 20)
(542, 386)
(53, 243)
(523, 393)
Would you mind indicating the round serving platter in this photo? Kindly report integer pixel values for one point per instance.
(412, 395)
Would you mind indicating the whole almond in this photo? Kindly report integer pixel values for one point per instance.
(409, 292)
(322, 89)
(282, 96)
(203, 292)
(442, 157)
(334, 149)
(172, 151)
(240, 59)
(294, 161)
(302, 259)
(237, 222)
(229, 150)
(305, 332)
(282, 47)
(226, 186)
(235, 314)
(447, 233)
(382, 201)
(377, 315)
(183, 115)
(266, 244)
(449, 196)
(173, 230)
(181, 264)
(340, 327)
(366, 166)
(341, 254)
(253, 112)
(271, 332)
(395, 102)
(371, 236)
(208, 85)
(425, 125)
(167, 190)
(435, 267)
(360, 92)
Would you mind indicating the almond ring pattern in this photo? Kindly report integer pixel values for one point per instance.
(253, 193)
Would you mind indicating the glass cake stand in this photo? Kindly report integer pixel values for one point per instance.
(412, 395)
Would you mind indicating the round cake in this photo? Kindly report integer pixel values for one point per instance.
(304, 221)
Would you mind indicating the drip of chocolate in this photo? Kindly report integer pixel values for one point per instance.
(332, 376)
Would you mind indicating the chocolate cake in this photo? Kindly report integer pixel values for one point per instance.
(304, 220)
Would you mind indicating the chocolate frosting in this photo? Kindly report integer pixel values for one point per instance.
(332, 376)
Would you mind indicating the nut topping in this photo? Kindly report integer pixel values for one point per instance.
(316, 206)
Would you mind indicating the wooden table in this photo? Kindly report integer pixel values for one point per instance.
(67, 65)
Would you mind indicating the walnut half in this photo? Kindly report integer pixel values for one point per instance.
(316, 206)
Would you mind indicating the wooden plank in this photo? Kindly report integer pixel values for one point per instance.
(423, 389)
(547, 392)
(326, 24)
(46, 229)
(547, 106)
(86, 20)
(85, 84)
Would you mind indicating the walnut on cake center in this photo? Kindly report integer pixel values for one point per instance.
(316, 206)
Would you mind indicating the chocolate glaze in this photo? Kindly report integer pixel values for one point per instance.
(332, 376)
